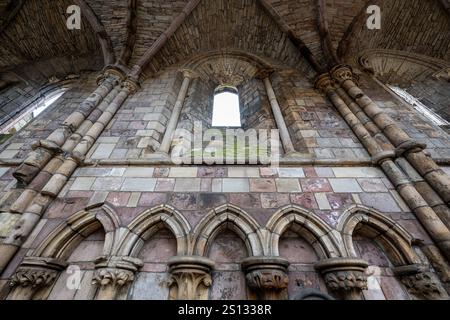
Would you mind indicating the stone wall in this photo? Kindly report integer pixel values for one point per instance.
(417, 127)
(315, 126)
(326, 192)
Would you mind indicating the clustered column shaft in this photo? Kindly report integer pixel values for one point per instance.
(44, 150)
(404, 145)
(47, 184)
(435, 227)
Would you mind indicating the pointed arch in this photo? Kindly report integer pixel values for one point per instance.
(325, 241)
(393, 238)
(66, 237)
(145, 225)
(234, 218)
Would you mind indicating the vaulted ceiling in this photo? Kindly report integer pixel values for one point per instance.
(33, 32)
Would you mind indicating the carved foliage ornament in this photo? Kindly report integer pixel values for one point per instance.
(189, 285)
(189, 277)
(33, 277)
(346, 280)
(112, 277)
(342, 73)
(420, 282)
(36, 272)
(267, 280)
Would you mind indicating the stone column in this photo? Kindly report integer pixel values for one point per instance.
(345, 277)
(421, 283)
(59, 179)
(278, 115)
(44, 150)
(62, 173)
(33, 275)
(428, 193)
(412, 150)
(113, 275)
(190, 277)
(425, 214)
(267, 277)
(173, 121)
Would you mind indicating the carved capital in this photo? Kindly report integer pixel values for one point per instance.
(264, 73)
(115, 271)
(188, 73)
(325, 84)
(344, 276)
(267, 276)
(112, 277)
(131, 85)
(342, 73)
(36, 273)
(112, 74)
(189, 278)
(420, 282)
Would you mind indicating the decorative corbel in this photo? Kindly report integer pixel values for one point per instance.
(113, 274)
(421, 283)
(34, 274)
(190, 277)
(345, 277)
(267, 277)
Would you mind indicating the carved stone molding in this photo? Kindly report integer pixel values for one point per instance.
(324, 83)
(421, 283)
(33, 275)
(50, 146)
(188, 73)
(410, 146)
(189, 278)
(344, 276)
(264, 73)
(112, 277)
(113, 273)
(111, 74)
(342, 73)
(36, 272)
(267, 277)
(131, 84)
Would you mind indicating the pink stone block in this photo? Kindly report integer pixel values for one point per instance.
(262, 185)
(165, 185)
(305, 200)
(119, 199)
(152, 199)
(340, 200)
(315, 185)
(245, 200)
(274, 200)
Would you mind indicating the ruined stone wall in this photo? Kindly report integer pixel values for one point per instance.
(327, 193)
(194, 191)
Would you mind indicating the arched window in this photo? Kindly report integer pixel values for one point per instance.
(432, 116)
(32, 109)
(226, 111)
